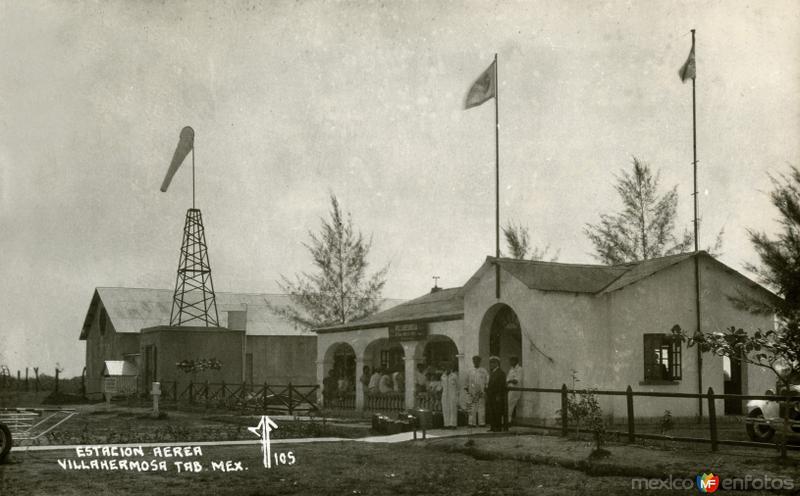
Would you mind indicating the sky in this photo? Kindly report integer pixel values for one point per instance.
(294, 101)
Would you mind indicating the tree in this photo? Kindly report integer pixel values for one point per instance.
(518, 241)
(645, 228)
(340, 291)
(780, 257)
(777, 350)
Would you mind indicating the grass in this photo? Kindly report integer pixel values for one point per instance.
(95, 425)
(344, 468)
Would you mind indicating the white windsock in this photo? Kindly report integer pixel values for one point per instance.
(185, 145)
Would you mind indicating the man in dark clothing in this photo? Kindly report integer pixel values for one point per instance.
(495, 395)
(330, 388)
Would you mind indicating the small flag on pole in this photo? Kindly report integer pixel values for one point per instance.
(688, 69)
(483, 89)
(185, 145)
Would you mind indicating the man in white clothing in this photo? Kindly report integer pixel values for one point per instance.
(513, 379)
(477, 379)
(450, 396)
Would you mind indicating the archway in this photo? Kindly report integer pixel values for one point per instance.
(438, 349)
(386, 355)
(341, 358)
(501, 334)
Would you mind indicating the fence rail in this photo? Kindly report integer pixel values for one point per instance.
(631, 433)
(289, 398)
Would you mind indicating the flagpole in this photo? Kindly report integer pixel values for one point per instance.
(696, 244)
(193, 173)
(496, 177)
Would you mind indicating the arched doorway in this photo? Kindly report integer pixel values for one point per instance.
(385, 355)
(341, 358)
(438, 350)
(501, 334)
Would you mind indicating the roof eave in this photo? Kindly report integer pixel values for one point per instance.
(386, 323)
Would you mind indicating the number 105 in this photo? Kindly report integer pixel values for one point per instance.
(284, 458)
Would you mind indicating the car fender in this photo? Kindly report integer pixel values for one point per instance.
(756, 404)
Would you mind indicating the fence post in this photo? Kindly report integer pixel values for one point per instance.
(564, 416)
(506, 413)
(191, 392)
(291, 408)
(631, 431)
(712, 420)
(26, 379)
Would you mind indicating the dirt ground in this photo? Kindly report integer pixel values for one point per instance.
(95, 425)
(343, 468)
(653, 459)
(472, 463)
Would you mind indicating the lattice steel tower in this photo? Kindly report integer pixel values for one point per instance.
(194, 301)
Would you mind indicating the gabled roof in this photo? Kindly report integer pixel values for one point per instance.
(133, 309)
(448, 304)
(635, 272)
(445, 304)
(552, 276)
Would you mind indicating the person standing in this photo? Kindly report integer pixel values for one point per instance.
(399, 380)
(495, 395)
(477, 380)
(420, 380)
(385, 384)
(450, 396)
(374, 381)
(513, 379)
(364, 379)
(330, 388)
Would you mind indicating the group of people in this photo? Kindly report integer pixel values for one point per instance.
(483, 394)
(487, 397)
(382, 380)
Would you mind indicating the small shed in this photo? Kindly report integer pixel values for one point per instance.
(119, 378)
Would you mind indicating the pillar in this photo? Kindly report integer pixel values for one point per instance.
(410, 359)
(321, 371)
(359, 385)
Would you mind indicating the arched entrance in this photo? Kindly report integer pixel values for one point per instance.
(385, 355)
(341, 358)
(501, 334)
(438, 350)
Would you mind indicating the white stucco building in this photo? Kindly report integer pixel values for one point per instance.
(610, 324)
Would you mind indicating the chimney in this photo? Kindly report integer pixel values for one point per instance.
(237, 320)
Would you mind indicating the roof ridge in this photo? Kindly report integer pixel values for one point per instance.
(544, 262)
(416, 301)
(223, 292)
(639, 263)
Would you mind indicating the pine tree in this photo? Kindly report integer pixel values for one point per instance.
(518, 241)
(340, 291)
(780, 257)
(645, 228)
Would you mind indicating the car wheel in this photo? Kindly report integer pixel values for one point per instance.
(760, 433)
(5, 442)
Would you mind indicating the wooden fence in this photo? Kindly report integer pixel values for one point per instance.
(631, 434)
(289, 398)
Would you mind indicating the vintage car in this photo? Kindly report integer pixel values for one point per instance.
(764, 417)
(5, 442)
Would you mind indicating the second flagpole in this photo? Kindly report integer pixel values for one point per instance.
(496, 176)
